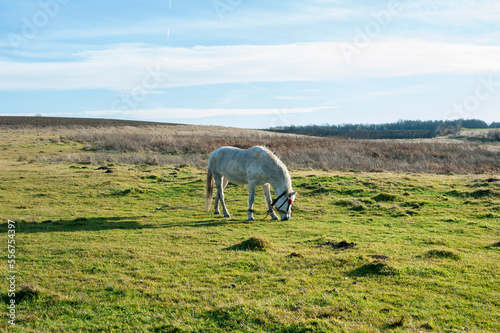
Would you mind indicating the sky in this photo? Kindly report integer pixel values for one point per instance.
(251, 63)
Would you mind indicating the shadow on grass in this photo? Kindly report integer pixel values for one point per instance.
(497, 244)
(206, 223)
(80, 224)
(110, 223)
(25, 291)
(442, 254)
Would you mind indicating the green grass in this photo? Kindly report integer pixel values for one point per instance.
(94, 254)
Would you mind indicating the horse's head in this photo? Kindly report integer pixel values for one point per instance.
(283, 205)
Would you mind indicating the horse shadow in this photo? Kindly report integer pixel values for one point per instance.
(112, 223)
(79, 224)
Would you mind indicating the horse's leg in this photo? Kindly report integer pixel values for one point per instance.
(219, 182)
(224, 182)
(267, 193)
(216, 204)
(251, 199)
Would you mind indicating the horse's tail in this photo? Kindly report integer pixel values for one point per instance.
(209, 190)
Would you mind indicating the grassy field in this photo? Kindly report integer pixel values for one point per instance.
(363, 252)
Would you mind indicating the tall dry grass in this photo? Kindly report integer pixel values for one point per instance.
(193, 144)
(484, 135)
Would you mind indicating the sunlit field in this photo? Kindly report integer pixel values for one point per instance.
(388, 244)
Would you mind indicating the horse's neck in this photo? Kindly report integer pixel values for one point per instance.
(281, 183)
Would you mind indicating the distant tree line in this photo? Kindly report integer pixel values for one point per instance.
(403, 129)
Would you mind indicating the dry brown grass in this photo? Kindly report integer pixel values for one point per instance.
(193, 144)
(484, 135)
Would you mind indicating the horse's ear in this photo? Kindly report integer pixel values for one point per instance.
(292, 194)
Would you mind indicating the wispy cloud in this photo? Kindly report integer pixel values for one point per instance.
(124, 67)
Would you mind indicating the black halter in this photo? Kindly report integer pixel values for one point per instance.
(279, 208)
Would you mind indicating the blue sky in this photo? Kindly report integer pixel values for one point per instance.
(251, 63)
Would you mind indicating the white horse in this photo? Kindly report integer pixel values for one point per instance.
(256, 166)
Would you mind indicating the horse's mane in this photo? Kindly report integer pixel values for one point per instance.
(279, 163)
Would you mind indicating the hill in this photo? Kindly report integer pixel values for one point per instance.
(21, 121)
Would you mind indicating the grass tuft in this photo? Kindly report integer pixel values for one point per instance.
(352, 204)
(442, 254)
(251, 244)
(396, 322)
(167, 328)
(26, 291)
(374, 269)
(126, 191)
(385, 197)
(477, 194)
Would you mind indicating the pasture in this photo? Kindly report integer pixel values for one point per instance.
(363, 251)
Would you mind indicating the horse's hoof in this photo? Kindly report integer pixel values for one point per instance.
(227, 216)
(216, 213)
(251, 219)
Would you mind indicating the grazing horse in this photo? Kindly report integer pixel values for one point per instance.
(256, 166)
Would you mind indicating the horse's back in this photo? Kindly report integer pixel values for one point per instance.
(225, 150)
(244, 156)
(238, 165)
(226, 161)
(222, 154)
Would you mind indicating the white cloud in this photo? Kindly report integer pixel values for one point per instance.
(139, 67)
(441, 11)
